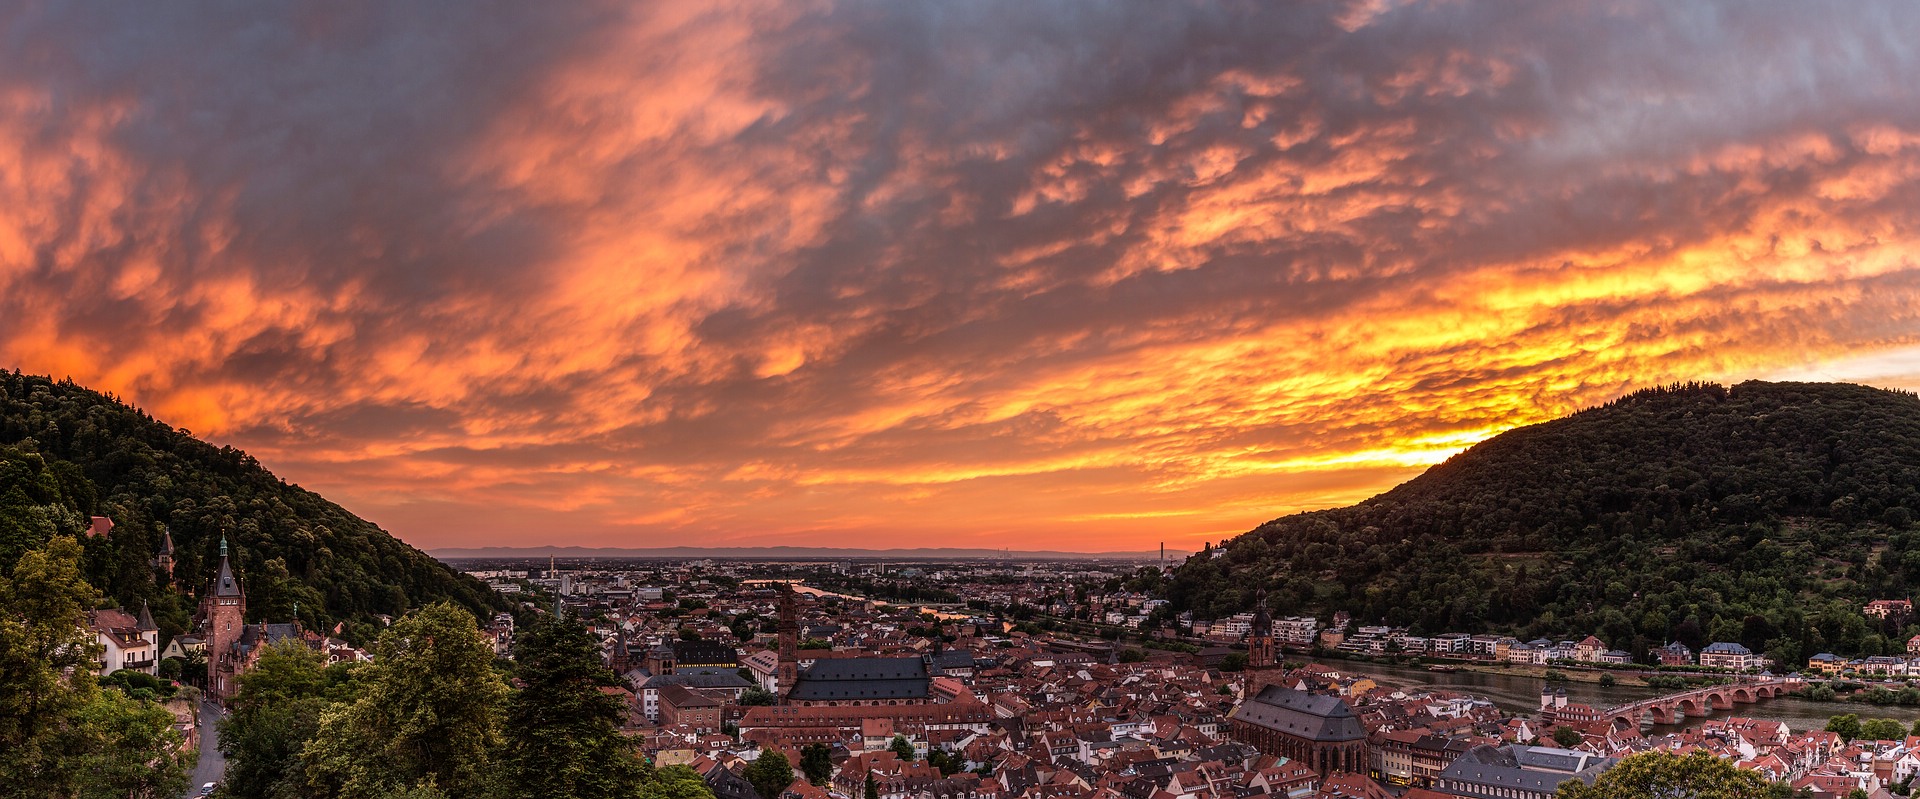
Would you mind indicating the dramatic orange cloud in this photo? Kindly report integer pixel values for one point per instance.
(1075, 275)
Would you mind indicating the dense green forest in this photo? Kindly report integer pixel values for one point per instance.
(67, 453)
(1765, 513)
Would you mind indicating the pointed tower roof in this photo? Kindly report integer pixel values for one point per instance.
(166, 541)
(146, 618)
(224, 584)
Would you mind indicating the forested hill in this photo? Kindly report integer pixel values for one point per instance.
(1766, 513)
(67, 453)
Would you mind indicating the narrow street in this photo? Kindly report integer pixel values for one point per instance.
(213, 765)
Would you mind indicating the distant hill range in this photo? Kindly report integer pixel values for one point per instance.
(1766, 514)
(786, 553)
(68, 453)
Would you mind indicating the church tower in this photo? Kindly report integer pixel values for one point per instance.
(620, 659)
(789, 670)
(164, 560)
(1261, 651)
(225, 608)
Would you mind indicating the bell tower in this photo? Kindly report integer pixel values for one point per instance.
(621, 658)
(1260, 644)
(163, 560)
(226, 611)
(789, 670)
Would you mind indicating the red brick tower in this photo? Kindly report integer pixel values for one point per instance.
(1260, 645)
(225, 609)
(789, 671)
(163, 561)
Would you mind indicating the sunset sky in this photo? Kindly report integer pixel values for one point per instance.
(1074, 275)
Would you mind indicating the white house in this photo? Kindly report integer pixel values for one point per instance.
(127, 642)
(1723, 655)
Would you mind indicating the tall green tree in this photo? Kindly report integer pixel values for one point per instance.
(770, 774)
(1661, 775)
(676, 782)
(427, 714)
(116, 746)
(562, 731)
(42, 638)
(1567, 737)
(949, 764)
(276, 710)
(60, 734)
(1882, 730)
(902, 747)
(1846, 725)
(816, 761)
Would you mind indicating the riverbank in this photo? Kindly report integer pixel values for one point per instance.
(1624, 680)
(1519, 693)
(1571, 674)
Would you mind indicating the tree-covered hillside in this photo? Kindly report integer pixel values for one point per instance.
(67, 453)
(1767, 513)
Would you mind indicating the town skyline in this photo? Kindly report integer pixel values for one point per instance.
(1074, 276)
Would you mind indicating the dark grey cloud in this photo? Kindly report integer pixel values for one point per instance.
(621, 262)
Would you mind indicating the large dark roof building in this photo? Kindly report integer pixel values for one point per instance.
(707, 679)
(954, 663)
(1518, 772)
(864, 681)
(705, 653)
(1320, 731)
(792, 725)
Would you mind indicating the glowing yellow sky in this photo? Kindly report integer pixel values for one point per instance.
(1035, 275)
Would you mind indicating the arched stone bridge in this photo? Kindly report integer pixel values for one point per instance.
(1699, 701)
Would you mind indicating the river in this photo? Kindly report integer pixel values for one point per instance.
(802, 588)
(1521, 695)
